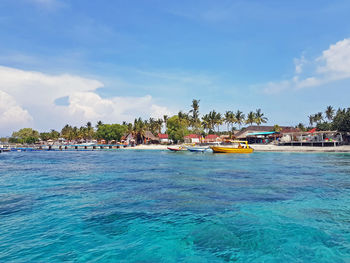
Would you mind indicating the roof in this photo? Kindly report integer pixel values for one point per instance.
(192, 136)
(312, 130)
(261, 133)
(149, 135)
(254, 128)
(211, 136)
(163, 136)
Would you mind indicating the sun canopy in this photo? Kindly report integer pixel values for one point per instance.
(261, 133)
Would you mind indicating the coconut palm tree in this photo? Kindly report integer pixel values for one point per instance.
(259, 117)
(158, 125)
(311, 119)
(215, 119)
(89, 131)
(140, 127)
(218, 120)
(99, 123)
(165, 118)
(318, 117)
(227, 119)
(329, 113)
(239, 118)
(194, 118)
(206, 123)
(250, 118)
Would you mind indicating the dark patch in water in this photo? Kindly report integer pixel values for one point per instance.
(13, 204)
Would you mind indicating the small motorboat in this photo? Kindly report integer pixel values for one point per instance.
(245, 148)
(198, 149)
(177, 148)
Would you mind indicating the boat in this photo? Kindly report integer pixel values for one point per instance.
(198, 149)
(232, 148)
(177, 148)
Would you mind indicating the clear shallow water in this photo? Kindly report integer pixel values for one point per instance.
(156, 206)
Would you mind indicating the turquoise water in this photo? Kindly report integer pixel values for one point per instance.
(158, 206)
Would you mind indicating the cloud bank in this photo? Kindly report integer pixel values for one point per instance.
(27, 98)
(332, 65)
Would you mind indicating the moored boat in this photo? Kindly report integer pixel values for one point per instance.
(177, 148)
(233, 149)
(198, 149)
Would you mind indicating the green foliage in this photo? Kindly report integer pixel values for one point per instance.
(177, 128)
(240, 118)
(329, 113)
(25, 135)
(301, 127)
(259, 117)
(324, 126)
(53, 135)
(194, 118)
(276, 128)
(341, 121)
(250, 118)
(110, 132)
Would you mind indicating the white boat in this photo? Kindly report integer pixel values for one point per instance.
(198, 149)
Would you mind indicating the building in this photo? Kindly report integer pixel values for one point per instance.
(150, 138)
(263, 134)
(312, 138)
(163, 138)
(212, 138)
(192, 138)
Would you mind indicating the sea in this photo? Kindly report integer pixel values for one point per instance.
(160, 206)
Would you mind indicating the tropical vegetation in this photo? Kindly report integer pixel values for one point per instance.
(180, 125)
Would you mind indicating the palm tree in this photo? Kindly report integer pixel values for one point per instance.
(165, 118)
(250, 118)
(194, 120)
(318, 117)
(227, 119)
(311, 119)
(158, 124)
(99, 123)
(139, 130)
(89, 131)
(206, 123)
(239, 118)
(218, 120)
(259, 117)
(329, 113)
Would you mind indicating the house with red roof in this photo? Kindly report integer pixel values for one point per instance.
(163, 138)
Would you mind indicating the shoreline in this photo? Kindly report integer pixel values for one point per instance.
(266, 148)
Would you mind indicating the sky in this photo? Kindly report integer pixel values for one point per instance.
(74, 61)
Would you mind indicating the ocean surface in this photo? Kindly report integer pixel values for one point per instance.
(158, 206)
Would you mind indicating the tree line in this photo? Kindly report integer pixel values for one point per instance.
(331, 119)
(176, 126)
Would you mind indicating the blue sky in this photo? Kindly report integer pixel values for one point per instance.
(289, 58)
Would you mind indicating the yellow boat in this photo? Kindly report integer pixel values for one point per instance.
(231, 149)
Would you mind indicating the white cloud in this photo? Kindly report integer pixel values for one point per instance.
(332, 65)
(11, 114)
(30, 96)
(336, 59)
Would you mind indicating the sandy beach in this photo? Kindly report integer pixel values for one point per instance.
(263, 148)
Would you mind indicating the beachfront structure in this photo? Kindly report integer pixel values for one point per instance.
(212, 138)
(150, 138)
(163, 138)
(262, 134)
(192, 138)
(312, 138)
